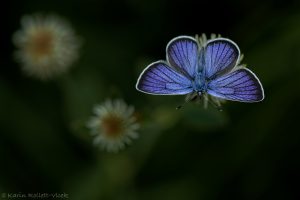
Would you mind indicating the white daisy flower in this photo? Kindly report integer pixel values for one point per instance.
(113, 125)
(47, 45)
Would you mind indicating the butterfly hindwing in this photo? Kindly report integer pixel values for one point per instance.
(182, 54)
(239, 85)
(220, 56)
(160, 79)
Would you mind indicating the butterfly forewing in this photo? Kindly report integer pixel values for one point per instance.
(160, 79)
(220, 56)
(240, 85)
(182, 54)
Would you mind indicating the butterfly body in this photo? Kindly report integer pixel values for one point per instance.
(194, 69)
(200, 83)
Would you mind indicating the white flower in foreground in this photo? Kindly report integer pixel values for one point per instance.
(47, 46)
(113, 125)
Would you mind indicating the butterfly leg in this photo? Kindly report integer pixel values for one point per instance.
(213, 101)
(189, 97)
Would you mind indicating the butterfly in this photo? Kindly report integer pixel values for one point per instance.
(195, 69)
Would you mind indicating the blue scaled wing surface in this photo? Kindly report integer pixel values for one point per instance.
(161, 79)
(182, 55)
(239, 85)
(220, 56)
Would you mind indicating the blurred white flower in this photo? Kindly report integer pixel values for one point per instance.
(113, 125)
(47, 45)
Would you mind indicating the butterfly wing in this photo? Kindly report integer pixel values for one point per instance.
(182, 54)
(160, 79)
(220, 56)
(240, 85)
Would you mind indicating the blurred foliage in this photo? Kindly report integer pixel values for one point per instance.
(248, 151)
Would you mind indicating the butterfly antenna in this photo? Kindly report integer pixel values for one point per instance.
(180, 106)
(188, 98)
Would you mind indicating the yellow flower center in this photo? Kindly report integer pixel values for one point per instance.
(41, 43)
(112, 126)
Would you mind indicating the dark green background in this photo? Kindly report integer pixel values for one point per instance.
(248, 151)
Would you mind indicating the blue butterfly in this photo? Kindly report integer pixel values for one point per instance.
(208, 69)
